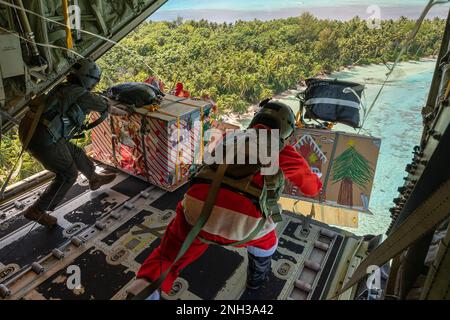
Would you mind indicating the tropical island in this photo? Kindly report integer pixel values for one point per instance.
(241, 63)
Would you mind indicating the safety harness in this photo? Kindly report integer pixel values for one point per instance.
(266, 198)
(224, 176)
(57, 125)
(55, 118)
(61, 116)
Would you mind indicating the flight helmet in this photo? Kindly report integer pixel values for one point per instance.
(87, 72)
(276, 115)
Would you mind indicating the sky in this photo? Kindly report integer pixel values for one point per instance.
(271, 4)
(232, 10)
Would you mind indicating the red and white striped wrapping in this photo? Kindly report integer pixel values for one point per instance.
(161, 147)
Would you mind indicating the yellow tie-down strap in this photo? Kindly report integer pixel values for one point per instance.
(69, 39)
(447, 92)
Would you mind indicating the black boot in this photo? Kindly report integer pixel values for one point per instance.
(258, 271)
(44, 219)
(99, 180)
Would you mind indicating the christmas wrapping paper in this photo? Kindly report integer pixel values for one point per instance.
(161, 145)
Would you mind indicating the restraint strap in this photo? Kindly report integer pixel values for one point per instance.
(204, 216)
(113, 139)
(251, 237)
(272, 187)
(430, 214)
(95, 123)
(37, 116)
(88, 127)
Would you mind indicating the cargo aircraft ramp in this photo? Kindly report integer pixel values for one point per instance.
(102, 238)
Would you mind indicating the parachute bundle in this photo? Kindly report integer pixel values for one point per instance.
(334, 101)
(138, 94)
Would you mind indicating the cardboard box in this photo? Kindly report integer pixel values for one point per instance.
(160, 145)
(347, 163)
(326, 214)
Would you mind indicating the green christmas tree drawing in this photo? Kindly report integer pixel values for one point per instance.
(351, 167)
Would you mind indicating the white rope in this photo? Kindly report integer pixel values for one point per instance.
(405, 47)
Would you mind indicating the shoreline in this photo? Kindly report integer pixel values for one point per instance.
(342, 13)
(236, 119)
(351, 67)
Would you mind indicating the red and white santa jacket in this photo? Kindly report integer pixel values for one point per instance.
(235, 216)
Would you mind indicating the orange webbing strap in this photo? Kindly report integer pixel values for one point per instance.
(298, 119)
(193, 234)
(184, 101)
(69, 39)
(447, 92)
(432, 212)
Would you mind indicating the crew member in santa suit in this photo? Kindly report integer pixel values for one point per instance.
(235, 216)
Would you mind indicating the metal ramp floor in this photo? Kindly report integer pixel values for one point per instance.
(107, 234)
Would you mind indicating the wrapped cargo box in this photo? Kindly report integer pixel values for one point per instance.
(346, 163)
(159, 144)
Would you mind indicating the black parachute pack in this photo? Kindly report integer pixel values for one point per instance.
(137, 94)
(333, 100)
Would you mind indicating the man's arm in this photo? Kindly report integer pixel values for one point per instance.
(297, 170)
(93, 102)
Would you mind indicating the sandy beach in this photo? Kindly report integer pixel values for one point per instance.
(396, 119)
(242, 119)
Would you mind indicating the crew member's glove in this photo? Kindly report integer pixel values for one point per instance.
(317, 172)
(117, 111)
(113, 108)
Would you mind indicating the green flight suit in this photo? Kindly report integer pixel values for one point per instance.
(52, 146)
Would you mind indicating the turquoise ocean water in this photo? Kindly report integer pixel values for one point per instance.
(397, 120)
